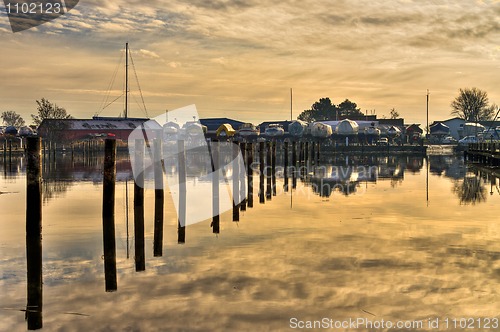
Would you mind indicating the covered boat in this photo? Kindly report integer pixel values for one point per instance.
(225, 130)
(347, 127)
(248, 130)
(439, 129)
(274, 130)
(25, 131)
(393, 131)
(194, 128)
(10, 130)
(297, 128)
(320, 130)
(171, 128)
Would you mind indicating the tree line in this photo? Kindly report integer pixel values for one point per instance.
(45, 110)
(471, 105)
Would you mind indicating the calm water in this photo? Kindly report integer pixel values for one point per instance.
(392, 238)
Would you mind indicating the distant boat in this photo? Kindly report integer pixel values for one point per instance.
(25, 131)
(297, 128)
(347, 127)
(248, 130)
(393, 131)
(225, 130)
(10, 130)
(320, 130)
(274, 130)
(194, 128)
(374, 131)
(439, 129)
(171, 128)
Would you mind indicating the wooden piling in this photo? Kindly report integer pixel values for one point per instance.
(261, 170)
(159, 198)
(285, 164)
(10, 151)
(236, 188)
(268, 171)
(250, 174)
(181, 226)
(34, 234)
(273, 167)
(243, 194)
(294, 165)
(214, 153)
(140, 257)
(108, 215)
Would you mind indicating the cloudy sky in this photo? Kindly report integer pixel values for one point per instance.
(240, 58)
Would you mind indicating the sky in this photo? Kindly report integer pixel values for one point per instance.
(239, 59)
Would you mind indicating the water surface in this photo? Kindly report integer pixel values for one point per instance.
(411, 239)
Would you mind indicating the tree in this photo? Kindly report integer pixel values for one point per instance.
(11, 118)
(472, 105)
(325, 110)
(348, 109)
(47, 110)
(320, 111)
(393, 114)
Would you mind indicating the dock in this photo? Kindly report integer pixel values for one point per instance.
(483, 153)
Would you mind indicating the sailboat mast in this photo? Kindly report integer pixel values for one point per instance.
(291, 105)
(428, 112)
(126, 80)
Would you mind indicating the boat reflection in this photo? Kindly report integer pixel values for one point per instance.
(344, 174)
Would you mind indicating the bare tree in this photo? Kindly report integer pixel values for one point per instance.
(394, 114)
(11, 118)
(472, 105)
(47, 110)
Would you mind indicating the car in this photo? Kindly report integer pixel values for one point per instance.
(468, 139)
(383, 141)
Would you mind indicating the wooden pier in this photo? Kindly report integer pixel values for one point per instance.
(483, 153)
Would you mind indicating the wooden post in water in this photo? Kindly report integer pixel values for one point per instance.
(5, 155)
(181, 225)
(285, 164)
(273, 167)
(262, 197)
(159, 198)
(318, 148)
(10, 151)
(34, 234)
(269, 176)
(108, 215)
(243, 194)
(294, 165)
(250, 174)
(236, 188)
(140, 257)
(214, 153)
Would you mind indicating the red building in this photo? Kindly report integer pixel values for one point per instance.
(83, 129)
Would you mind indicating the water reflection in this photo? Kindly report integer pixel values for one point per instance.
(345, 174)
(313, 262)
(472, 188)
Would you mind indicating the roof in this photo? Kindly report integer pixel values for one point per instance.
(106, 124)
(213, 124)
(414, 127)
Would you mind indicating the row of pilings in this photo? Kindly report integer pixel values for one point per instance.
(262, 153)
(487, 154)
